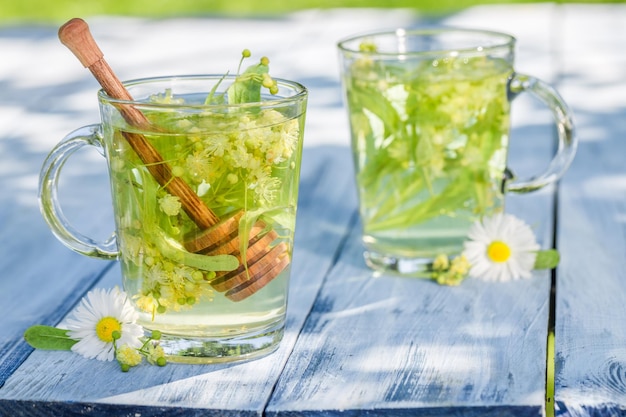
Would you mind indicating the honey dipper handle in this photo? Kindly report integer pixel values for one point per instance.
(76, 36)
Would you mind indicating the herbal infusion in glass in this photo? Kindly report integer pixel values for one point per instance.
(204, 176)
(429, 137)
(243, 163)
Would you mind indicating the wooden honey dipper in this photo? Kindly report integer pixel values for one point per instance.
(215, 237)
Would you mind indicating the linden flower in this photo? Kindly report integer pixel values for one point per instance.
(198, 166)
(128, 356)
(267, 188)
(170, 205)
(501, 248)
(102, 319)
(217, 145)
(155, 354)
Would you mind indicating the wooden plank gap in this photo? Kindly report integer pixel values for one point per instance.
(53, 409)
(557, 45)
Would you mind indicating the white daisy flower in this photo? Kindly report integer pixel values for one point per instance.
(501, 248)
(97, 322)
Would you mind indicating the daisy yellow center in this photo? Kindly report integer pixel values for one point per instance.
(498, 251)
(105, 328)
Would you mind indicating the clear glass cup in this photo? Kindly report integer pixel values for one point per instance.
(429, 115)
(204, 198)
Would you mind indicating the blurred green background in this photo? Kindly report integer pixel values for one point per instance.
(55, 11)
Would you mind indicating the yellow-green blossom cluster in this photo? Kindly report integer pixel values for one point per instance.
(447, 272)
(165, 284)
(129, 357)
(247, 155)
(170, 205)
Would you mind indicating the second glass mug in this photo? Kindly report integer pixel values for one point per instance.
(429, 119)
(215, 287)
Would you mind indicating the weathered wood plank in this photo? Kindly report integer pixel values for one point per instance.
(41, 279)
(591, 288)
(386, 344)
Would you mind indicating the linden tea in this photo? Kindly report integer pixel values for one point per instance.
(217, 293)
(429, 118)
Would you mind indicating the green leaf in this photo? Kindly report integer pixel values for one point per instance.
(48, 338)
(375, 102)
(211, 263)
(247, 86)
(174, 251)
(212, 98)
(547, 259)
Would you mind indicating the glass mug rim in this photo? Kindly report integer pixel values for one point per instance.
(486, 41)
(300, 92)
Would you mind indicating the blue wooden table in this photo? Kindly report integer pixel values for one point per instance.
(355, 343)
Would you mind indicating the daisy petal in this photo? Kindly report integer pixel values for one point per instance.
(100, 306)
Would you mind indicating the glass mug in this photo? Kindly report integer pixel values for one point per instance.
(429, 120)
(204, 229)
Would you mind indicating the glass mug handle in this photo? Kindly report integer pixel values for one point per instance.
(48, 201)
(567, 142)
